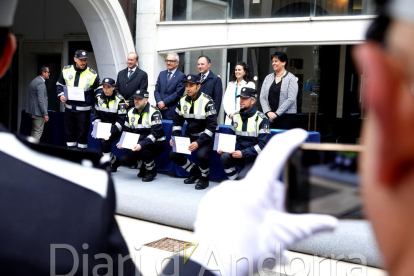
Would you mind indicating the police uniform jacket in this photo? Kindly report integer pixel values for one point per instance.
(86, 78)
(148, 124)
(110, 110)
(201, 117)
(252, 130)
(48, 202)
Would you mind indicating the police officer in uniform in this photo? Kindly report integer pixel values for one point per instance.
(252, 129)
(145, 120)
(198, 110)
(48, 202)
(77, 113)
(110, 108)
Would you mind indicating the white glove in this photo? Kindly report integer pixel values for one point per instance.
(247, 217)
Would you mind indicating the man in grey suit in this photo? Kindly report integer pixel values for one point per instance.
(36, 104)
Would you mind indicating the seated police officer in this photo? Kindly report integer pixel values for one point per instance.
(252, 129)
(110, 108)
(198, 110)
(145, 120)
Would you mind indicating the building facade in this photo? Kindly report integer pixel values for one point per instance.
(317, 35)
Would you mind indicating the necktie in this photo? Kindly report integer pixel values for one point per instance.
(168, 76)
(130, 73)
(203, 77)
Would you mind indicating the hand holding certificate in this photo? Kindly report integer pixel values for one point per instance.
(101, 130)
(74, 93)
(224, 142)
(181, 144)
(128, 140)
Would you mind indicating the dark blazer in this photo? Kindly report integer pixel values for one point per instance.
(213, 87)
(127, 87)
(48, 212)
(36, 103)
(169, 93)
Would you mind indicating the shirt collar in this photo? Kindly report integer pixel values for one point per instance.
(133, 69)
(42, 78)
(173, 71)
(206, 74)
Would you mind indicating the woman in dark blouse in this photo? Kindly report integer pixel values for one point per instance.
(278, 94)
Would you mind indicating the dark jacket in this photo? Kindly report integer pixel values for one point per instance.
(251, 146)
(213, 87)
(170, 93)
(150, 129)
(46, 207)
(204, 128)
(127, 87)
(115, 115)
(36, 103)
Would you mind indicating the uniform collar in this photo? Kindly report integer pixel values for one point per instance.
(188, 98)
(249, 113)
(145, 110)
(109, 98)
(78, 69)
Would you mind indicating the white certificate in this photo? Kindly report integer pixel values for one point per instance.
(101, 130)
(225, 142)
(181, 144)
(75, 93)
(128, 140)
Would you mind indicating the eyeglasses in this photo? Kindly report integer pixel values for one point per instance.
(169, 61)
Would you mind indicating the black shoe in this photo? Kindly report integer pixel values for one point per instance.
(115, 165)
(142, 171)
(192, 179)
(149, 176)
(202, 184)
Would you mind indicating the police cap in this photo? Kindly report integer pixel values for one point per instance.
(247, 92)
(140, 94)
(193, 79)
(109, 81)
(81, 54)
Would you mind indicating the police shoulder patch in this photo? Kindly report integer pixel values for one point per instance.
(261, 114)
(67, 66)
(120, 96)
(93, 71)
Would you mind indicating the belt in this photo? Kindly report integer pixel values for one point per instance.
(80, 108)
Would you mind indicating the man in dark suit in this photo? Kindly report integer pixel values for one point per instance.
(169, 87)
(36, 104)
(54, 221)
(131, 79)
(210, 83)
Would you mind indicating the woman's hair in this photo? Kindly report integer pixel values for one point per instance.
(280, 56)
(246, 69)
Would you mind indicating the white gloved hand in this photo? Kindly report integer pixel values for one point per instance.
(248, 218)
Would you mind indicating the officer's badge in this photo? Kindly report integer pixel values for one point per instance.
(138, 91)
(244, 89)
(189, 77)
(101, 101)
(83, 53)
(132, 119)
(158, 121)
(106, 80)
(70, 77)
(235, 124)
(185, 108)
(266, 128)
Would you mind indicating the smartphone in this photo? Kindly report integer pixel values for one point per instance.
(323, 179)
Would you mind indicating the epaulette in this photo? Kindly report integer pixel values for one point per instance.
(261, 114)
(207, 96)
(67, 66)
(120, 96)
(93, 71)
(153, 106)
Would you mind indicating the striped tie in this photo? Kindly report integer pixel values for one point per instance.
(130, 73)
(203, 77)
